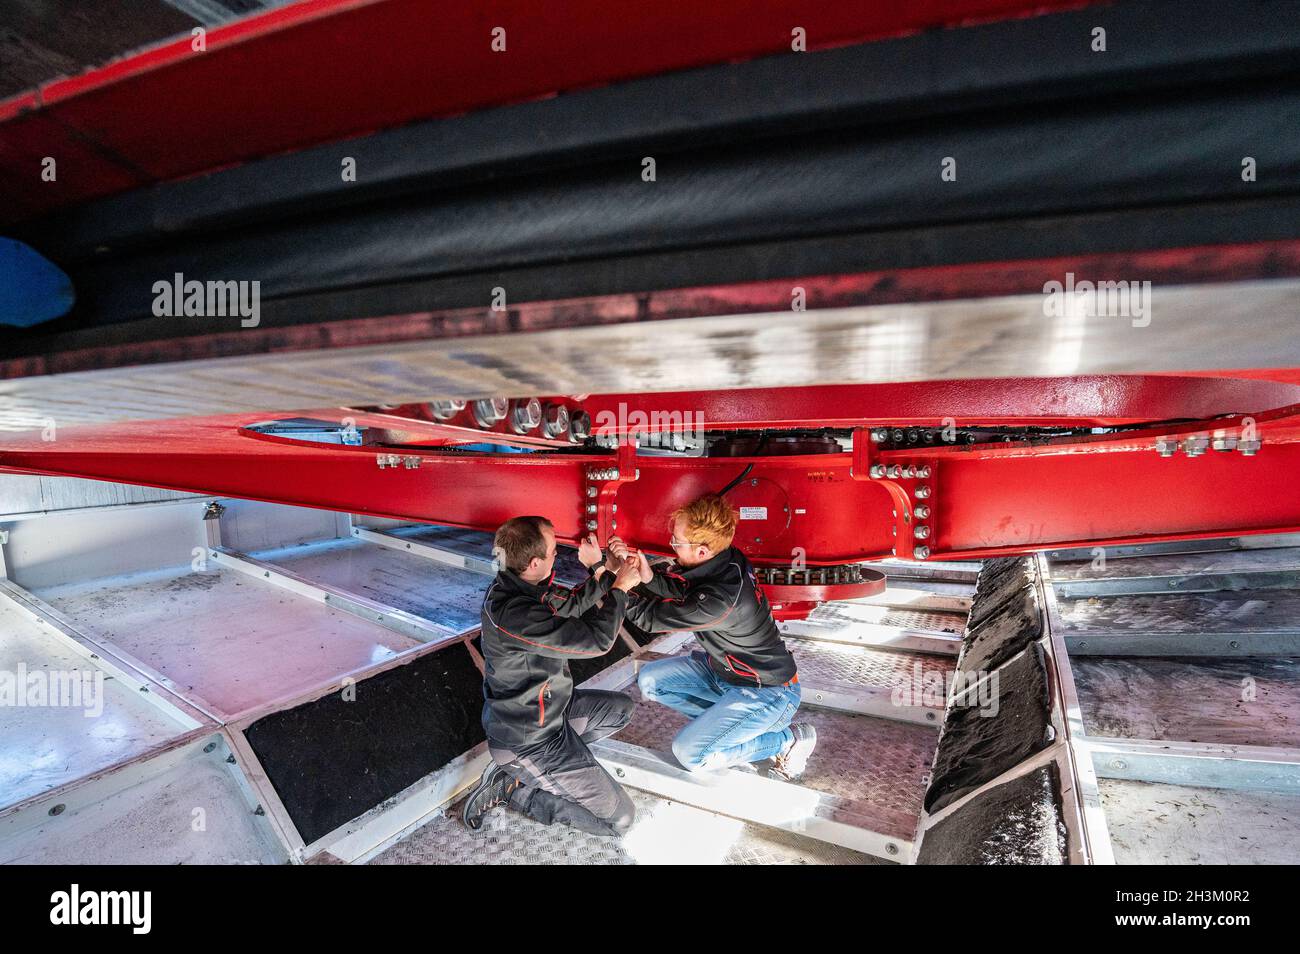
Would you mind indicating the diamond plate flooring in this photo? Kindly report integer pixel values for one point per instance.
(665, 832)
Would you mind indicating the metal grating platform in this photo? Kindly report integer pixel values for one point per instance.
(665, 832)
(867, 668)
(1191, 613)
(1243, 701)
(1153, 823)
(1182, 564)
(876, 761)
(919, 620)
(434, 591)
(226, 642)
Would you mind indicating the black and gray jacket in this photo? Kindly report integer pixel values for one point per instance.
(530, 632)
(721, 602)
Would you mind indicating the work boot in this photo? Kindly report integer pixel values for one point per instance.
(792, 761)
(493, 789)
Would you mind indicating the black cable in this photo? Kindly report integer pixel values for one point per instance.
(758, 451)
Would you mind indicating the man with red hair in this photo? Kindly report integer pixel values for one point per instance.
(741, 688)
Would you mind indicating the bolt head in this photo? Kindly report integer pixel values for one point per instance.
(922, 553)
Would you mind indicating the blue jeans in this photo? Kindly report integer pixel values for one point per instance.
(730, 724)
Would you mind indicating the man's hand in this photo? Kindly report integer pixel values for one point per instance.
(617, 554)
(629, 575)
(589, 551)
(643, 567)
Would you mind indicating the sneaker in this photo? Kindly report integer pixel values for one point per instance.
(493, 789)
(792, 761)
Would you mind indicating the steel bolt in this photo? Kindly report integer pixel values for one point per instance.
(878, 436)
(526, 416)
(1167, 446)
(445, 410)
(1196, 445)
(922, 533)
(923, 471)
(1249, 448)
(1223, 441)
(922, 553)
(877, 470)
(923, 491)
(896, 471)
(579, 426)
(555, 420)
(909, 471)
(922, 511)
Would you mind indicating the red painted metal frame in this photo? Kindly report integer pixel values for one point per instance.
(341, 68)
(824, 509)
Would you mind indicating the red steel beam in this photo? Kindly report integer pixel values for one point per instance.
(824, 509)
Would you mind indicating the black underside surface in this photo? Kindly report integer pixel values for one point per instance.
(1006, 632)
(988, 735)
(332, 760)
(1018, 823)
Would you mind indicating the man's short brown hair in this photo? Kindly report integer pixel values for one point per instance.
(709, 521)
(518, 541)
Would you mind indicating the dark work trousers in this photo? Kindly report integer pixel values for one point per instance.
(562, 781)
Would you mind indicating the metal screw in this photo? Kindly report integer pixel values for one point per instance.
(1196, 445)
(922, 511)
(1235, 644)
(1167, 446)
(1248, 448)
(923, 491)
(879, 436)
(896, 471)
(1118, 764)
(922, 533)
(877, 470)
(591, 524)
(891, 848)
(922, 553)
(923, 471)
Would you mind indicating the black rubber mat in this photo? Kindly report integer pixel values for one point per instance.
(980, 742)
(996, 586)
(331, 760)
(1014, 626)
(1018, 823)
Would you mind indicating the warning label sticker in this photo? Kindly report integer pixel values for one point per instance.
(753, 513)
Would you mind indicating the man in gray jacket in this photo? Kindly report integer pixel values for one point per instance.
(538, 725)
